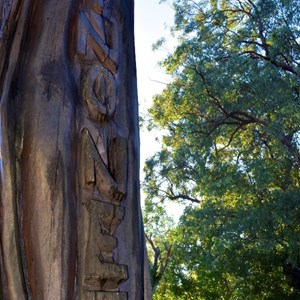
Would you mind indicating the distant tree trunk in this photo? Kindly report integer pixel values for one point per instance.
(70, 222)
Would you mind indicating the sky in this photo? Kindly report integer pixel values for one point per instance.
(152, 22)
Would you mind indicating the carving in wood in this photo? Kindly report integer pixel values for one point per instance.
(101, 214)
(102, 191)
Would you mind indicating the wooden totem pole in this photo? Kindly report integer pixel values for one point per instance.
(70, 222)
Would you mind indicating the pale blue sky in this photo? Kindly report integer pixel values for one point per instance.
(152, 21)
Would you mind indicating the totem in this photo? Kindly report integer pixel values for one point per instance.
(70, 220)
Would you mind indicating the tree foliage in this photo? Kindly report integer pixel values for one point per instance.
(158, 226)
(231, 150)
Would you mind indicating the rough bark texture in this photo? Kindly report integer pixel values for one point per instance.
(70, 222)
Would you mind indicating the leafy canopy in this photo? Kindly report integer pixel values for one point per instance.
(232, 149)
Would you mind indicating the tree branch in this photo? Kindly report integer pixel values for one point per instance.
(158, 271)
(183, 197)
(283, 66)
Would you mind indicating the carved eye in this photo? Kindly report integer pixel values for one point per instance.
(104, 90)
(99, 92)
(100, 89)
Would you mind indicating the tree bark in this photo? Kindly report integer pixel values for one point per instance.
(70, 221)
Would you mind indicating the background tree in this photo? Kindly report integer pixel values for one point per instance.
(159, 243)
(231, 149)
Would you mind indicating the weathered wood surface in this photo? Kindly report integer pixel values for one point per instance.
(70, 222)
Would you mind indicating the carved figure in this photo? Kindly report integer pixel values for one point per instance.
(102, 210)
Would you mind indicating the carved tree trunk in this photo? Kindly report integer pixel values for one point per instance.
(70, 222)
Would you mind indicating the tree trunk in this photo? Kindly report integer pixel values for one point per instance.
(70, 221)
